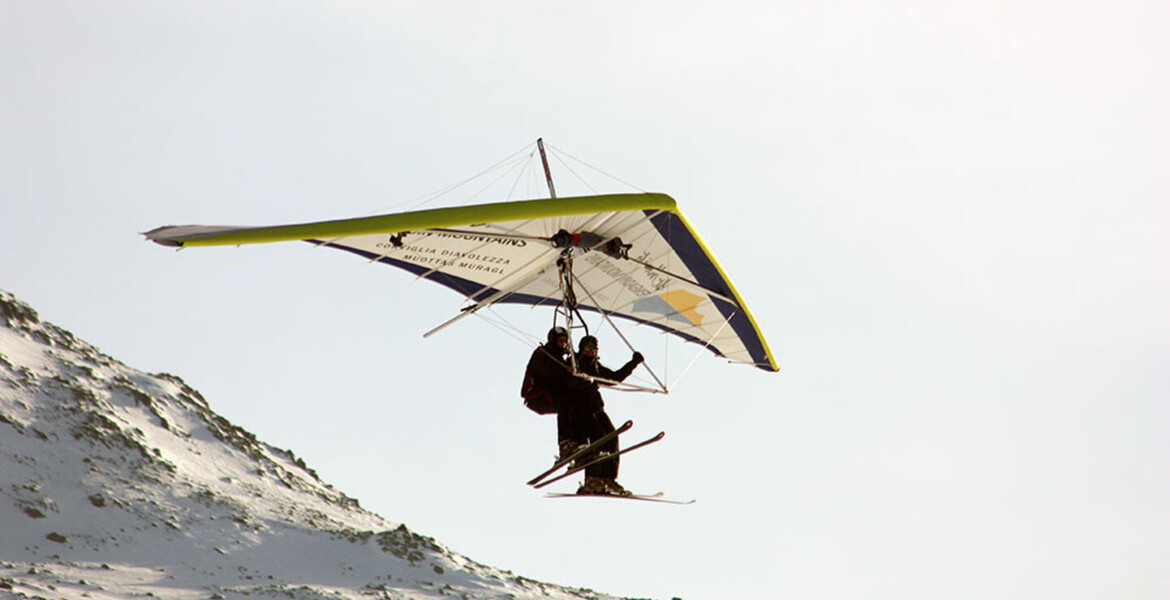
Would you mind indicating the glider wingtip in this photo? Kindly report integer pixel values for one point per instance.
(151, 236)
(768, 367)
(667, 200)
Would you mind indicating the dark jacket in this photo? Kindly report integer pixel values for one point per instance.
(589, 395)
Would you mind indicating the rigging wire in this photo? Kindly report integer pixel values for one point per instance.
(605, 315)
(503, 324)
(569, 167)
(521, 173)
(705, 346)
(521, 162)
(613, 177)
(427, 198)
(488, 185)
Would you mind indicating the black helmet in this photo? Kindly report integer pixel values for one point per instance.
(587, 341)
(555, 333)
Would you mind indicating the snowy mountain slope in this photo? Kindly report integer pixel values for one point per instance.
(117, 484)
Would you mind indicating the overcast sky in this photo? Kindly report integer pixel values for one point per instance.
(948, 220)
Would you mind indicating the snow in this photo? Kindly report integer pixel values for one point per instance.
(116, 483)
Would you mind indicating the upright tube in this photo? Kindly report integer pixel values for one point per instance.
(552, 191)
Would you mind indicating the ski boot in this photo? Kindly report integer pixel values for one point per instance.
(567, 448)
(613, 488)
(593, 486)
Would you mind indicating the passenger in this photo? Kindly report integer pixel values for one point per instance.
(582, 419)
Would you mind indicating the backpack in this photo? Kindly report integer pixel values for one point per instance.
(537, 400)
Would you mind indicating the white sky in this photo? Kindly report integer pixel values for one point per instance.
(948, 221)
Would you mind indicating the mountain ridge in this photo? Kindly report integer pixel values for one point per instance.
(115, 483)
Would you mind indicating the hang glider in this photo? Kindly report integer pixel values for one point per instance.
(632, 256)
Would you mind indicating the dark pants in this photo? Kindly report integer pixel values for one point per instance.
(584, 426)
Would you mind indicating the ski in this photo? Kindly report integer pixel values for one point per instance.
(579, 468)
(642, 497)
(582, 452)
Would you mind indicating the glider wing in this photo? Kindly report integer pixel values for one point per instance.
(635, 256)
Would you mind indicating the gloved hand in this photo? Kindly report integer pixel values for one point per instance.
(638, 358)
